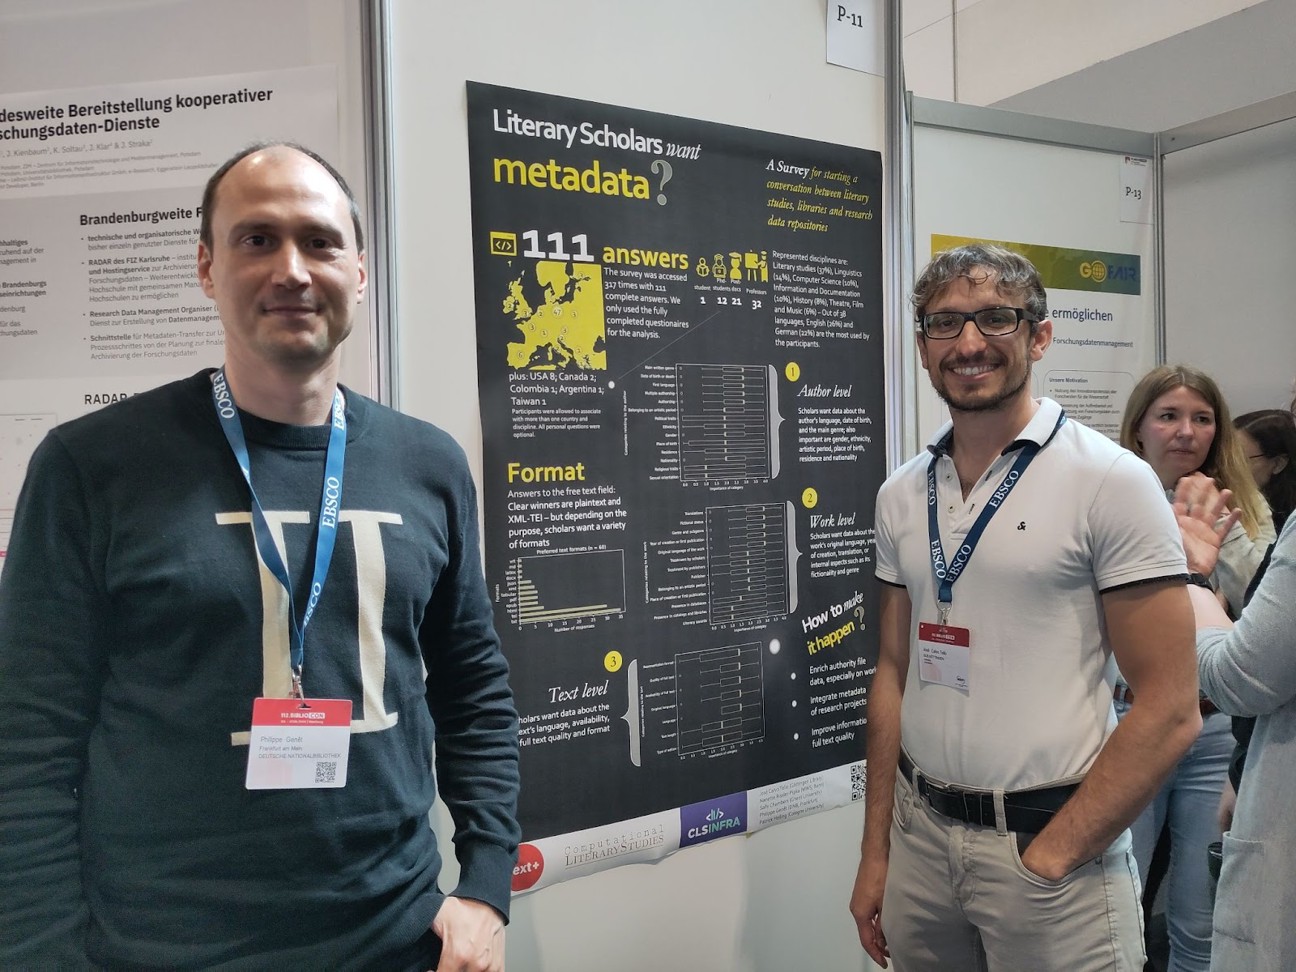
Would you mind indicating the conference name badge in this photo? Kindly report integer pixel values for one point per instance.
(944, 654)
(299, 744)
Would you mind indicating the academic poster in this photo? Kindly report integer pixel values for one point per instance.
(679, 329)
(100, 203)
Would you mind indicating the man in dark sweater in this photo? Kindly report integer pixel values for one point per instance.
(256, 533)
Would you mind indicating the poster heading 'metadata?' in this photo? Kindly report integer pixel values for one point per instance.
(596, 179)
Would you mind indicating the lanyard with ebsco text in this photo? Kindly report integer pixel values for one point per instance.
(326, 531)
(946, 575)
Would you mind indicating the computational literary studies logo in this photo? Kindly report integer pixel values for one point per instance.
(713, 818)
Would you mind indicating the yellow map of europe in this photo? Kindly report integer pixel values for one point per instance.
(558, 311)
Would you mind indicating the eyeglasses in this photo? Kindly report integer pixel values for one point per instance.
(991, 322)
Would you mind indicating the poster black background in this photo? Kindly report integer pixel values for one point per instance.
(717, 203)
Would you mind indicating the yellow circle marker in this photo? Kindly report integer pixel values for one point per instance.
(793, 371)
(1098, 270)
(612, 661)
(809, 498)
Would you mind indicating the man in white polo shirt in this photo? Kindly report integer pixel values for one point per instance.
(1018, 555)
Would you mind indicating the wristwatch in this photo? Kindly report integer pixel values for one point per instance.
(1201, 580)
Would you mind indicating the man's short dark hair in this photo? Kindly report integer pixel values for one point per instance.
(209, 191)
(1011, 273)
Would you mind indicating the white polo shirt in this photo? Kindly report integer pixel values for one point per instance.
(1086, 516)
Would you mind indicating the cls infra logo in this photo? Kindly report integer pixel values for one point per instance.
(713, 818)
(503, 244)
(717, 823)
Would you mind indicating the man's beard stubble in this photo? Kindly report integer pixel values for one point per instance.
(990, 404)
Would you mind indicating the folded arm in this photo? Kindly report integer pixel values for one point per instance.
(1246, 669)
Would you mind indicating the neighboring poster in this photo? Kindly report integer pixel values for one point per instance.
(100, 193)
(1095, 301)
(1060, 202)
(680, 361)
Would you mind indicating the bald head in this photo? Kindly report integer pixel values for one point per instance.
(210, 197)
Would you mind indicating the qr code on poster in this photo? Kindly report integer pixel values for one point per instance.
(859, 774)
(326, 771)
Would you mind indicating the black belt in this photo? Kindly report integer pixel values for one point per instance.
(1025, 811)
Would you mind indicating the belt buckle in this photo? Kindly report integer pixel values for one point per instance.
(948, 796)
(938, 788)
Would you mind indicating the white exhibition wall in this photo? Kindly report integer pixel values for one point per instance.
(775, 899)
(1230, 242)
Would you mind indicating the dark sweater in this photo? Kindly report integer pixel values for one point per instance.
(132, 644)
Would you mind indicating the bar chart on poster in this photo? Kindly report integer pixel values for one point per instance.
(568, 587)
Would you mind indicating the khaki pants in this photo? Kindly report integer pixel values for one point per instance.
(958, 898)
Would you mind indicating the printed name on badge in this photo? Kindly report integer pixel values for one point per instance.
(945, 653)
(299, 745)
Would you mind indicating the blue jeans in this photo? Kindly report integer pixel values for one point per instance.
(1189, 800)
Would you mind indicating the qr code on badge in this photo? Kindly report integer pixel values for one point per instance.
(326, 771)
(859, 774)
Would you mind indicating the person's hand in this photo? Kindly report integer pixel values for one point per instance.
(1034, 859)
(866, 907)
(1227, 804)
(1202, 511)
(472, 936)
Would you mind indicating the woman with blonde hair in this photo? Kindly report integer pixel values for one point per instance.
(1176, 419)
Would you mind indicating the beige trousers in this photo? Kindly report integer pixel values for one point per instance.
(958, 898)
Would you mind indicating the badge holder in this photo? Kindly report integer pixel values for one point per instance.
(299, 744)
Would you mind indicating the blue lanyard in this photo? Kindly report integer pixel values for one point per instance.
(946, 575)
(330, 506)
